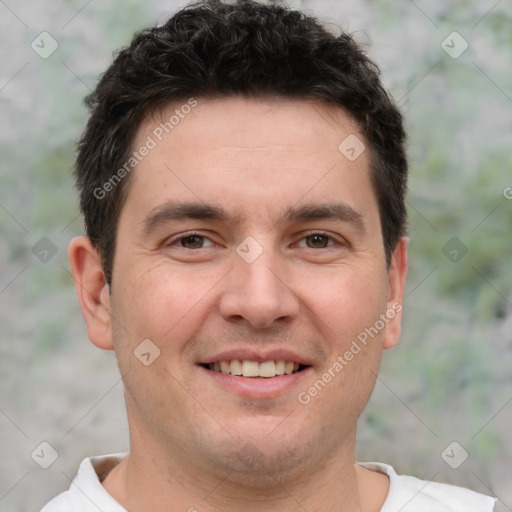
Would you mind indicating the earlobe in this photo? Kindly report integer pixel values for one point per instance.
(396, 278)
(92, 291)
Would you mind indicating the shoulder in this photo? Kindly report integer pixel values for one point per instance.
(86, 492)
(410, 494)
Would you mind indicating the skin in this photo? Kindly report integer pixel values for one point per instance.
(196, 297)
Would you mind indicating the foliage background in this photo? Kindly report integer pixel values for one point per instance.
(449, 379)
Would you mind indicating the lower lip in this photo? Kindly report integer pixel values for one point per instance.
(257, 387)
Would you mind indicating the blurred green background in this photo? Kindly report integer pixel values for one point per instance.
(450, 379)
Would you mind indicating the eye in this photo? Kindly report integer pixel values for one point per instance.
(314, 240)
(190, 241)
(318, 240)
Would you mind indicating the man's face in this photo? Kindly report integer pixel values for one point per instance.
(294, 271)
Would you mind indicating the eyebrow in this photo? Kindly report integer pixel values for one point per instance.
(175, 211)
(335, 211)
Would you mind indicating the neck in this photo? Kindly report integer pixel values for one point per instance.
(151, 478)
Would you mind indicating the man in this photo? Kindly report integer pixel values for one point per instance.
(242, 178)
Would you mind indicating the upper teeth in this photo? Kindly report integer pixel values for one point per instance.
(247, 368)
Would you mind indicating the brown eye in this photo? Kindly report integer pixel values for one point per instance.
(317, 241)
(192, 242)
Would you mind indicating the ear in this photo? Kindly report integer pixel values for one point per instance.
(396, 278)
(92, 290)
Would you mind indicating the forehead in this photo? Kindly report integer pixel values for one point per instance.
(265, 150)
(263, 123)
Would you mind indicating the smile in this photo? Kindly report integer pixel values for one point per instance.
(248, 368)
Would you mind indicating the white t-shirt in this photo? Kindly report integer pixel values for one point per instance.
(406, 493)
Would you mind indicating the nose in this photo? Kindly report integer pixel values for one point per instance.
(258, 293)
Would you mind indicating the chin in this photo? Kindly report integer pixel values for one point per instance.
(252, 467)
(262, 461)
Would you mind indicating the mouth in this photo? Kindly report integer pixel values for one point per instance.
(254, 369)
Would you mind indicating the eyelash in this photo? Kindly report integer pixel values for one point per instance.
(199, 235)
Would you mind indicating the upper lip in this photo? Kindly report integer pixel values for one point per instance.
(257, 355)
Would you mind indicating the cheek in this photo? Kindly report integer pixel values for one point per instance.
(350, 307)
(160, 302)
(347, 302)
